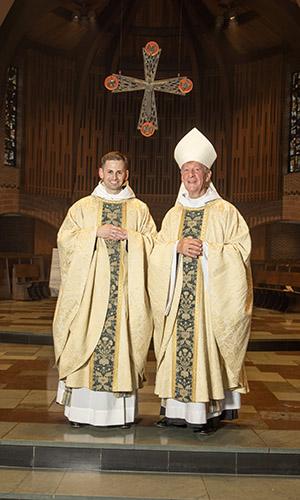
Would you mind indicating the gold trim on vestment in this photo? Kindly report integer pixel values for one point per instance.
(120, 302)
(92, 358)
(174, 348)
(181, 223)
(199, 310)
(204, 224)
(198, 304)
(180, 390)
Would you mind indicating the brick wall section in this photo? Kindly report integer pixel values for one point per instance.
(291, 197)
(46, 209)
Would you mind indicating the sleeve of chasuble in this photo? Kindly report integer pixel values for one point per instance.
(141, 233)
(73, 236)
(229, 291)
(76, 242)
(160, 265)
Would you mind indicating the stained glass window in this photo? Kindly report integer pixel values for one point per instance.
(294, 156)
(10, 144)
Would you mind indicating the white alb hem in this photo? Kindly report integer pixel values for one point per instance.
(196, 413)
(98, 408)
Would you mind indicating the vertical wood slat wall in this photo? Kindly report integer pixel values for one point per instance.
(48, 124)
(256, 131)
(109, 122)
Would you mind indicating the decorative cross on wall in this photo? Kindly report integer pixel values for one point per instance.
(180, 85)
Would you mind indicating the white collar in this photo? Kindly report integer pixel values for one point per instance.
(125, 194)
(210, 195)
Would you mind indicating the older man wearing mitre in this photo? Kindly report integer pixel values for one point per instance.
(201, 293)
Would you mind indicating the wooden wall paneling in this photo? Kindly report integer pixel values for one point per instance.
(218, 114)
(87, 53)
(48, 109)
(212, 122)
(90, 145)
(256, 171)
(18, 22)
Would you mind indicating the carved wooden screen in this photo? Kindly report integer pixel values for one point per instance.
(256, 146)
(48, 124)
(92, 135)
(109, 122)
(211, 120)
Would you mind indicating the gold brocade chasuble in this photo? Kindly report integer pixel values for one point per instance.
(103, 324)
(200, 342)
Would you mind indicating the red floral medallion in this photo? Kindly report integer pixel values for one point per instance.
(152, 48)
(147, 129)
(111, 82)
(185, 85)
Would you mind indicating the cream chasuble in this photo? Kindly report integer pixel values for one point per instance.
(202, 323)
(103, 325)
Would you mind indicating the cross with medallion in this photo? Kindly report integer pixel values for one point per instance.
(179, 85)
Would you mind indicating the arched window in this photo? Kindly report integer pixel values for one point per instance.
(294, 153)
(10, 139)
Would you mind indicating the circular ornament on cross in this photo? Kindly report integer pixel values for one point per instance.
(147, 129)
(152, 49)
(111, 82)
(185, 85)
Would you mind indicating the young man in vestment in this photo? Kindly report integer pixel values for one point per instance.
(201, 295)
(103, 324)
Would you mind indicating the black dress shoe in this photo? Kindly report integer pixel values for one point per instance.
(162, 423)
(75, 425)
(204, 430)
(125, 426)
(171, 422)
(210, 427)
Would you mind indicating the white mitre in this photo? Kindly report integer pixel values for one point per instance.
(194, 146)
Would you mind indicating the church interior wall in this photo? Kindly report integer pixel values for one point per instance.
(59, 167)
(248, 170)
(44, 238)
(276, 241)
(258, 237)
(291, 197)
(19, 234)
(26, 235)
(283, 241)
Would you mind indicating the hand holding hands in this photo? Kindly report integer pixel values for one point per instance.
(190, 247)
(111, 232)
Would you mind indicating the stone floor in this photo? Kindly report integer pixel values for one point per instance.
(35, 317)
(65, 485)
(269, 420)
(28, 382)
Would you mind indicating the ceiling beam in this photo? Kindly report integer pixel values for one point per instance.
(282, 17)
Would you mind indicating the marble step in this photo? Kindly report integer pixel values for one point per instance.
(230, 450)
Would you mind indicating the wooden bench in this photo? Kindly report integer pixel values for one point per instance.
(280, 278)
(26, 283)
